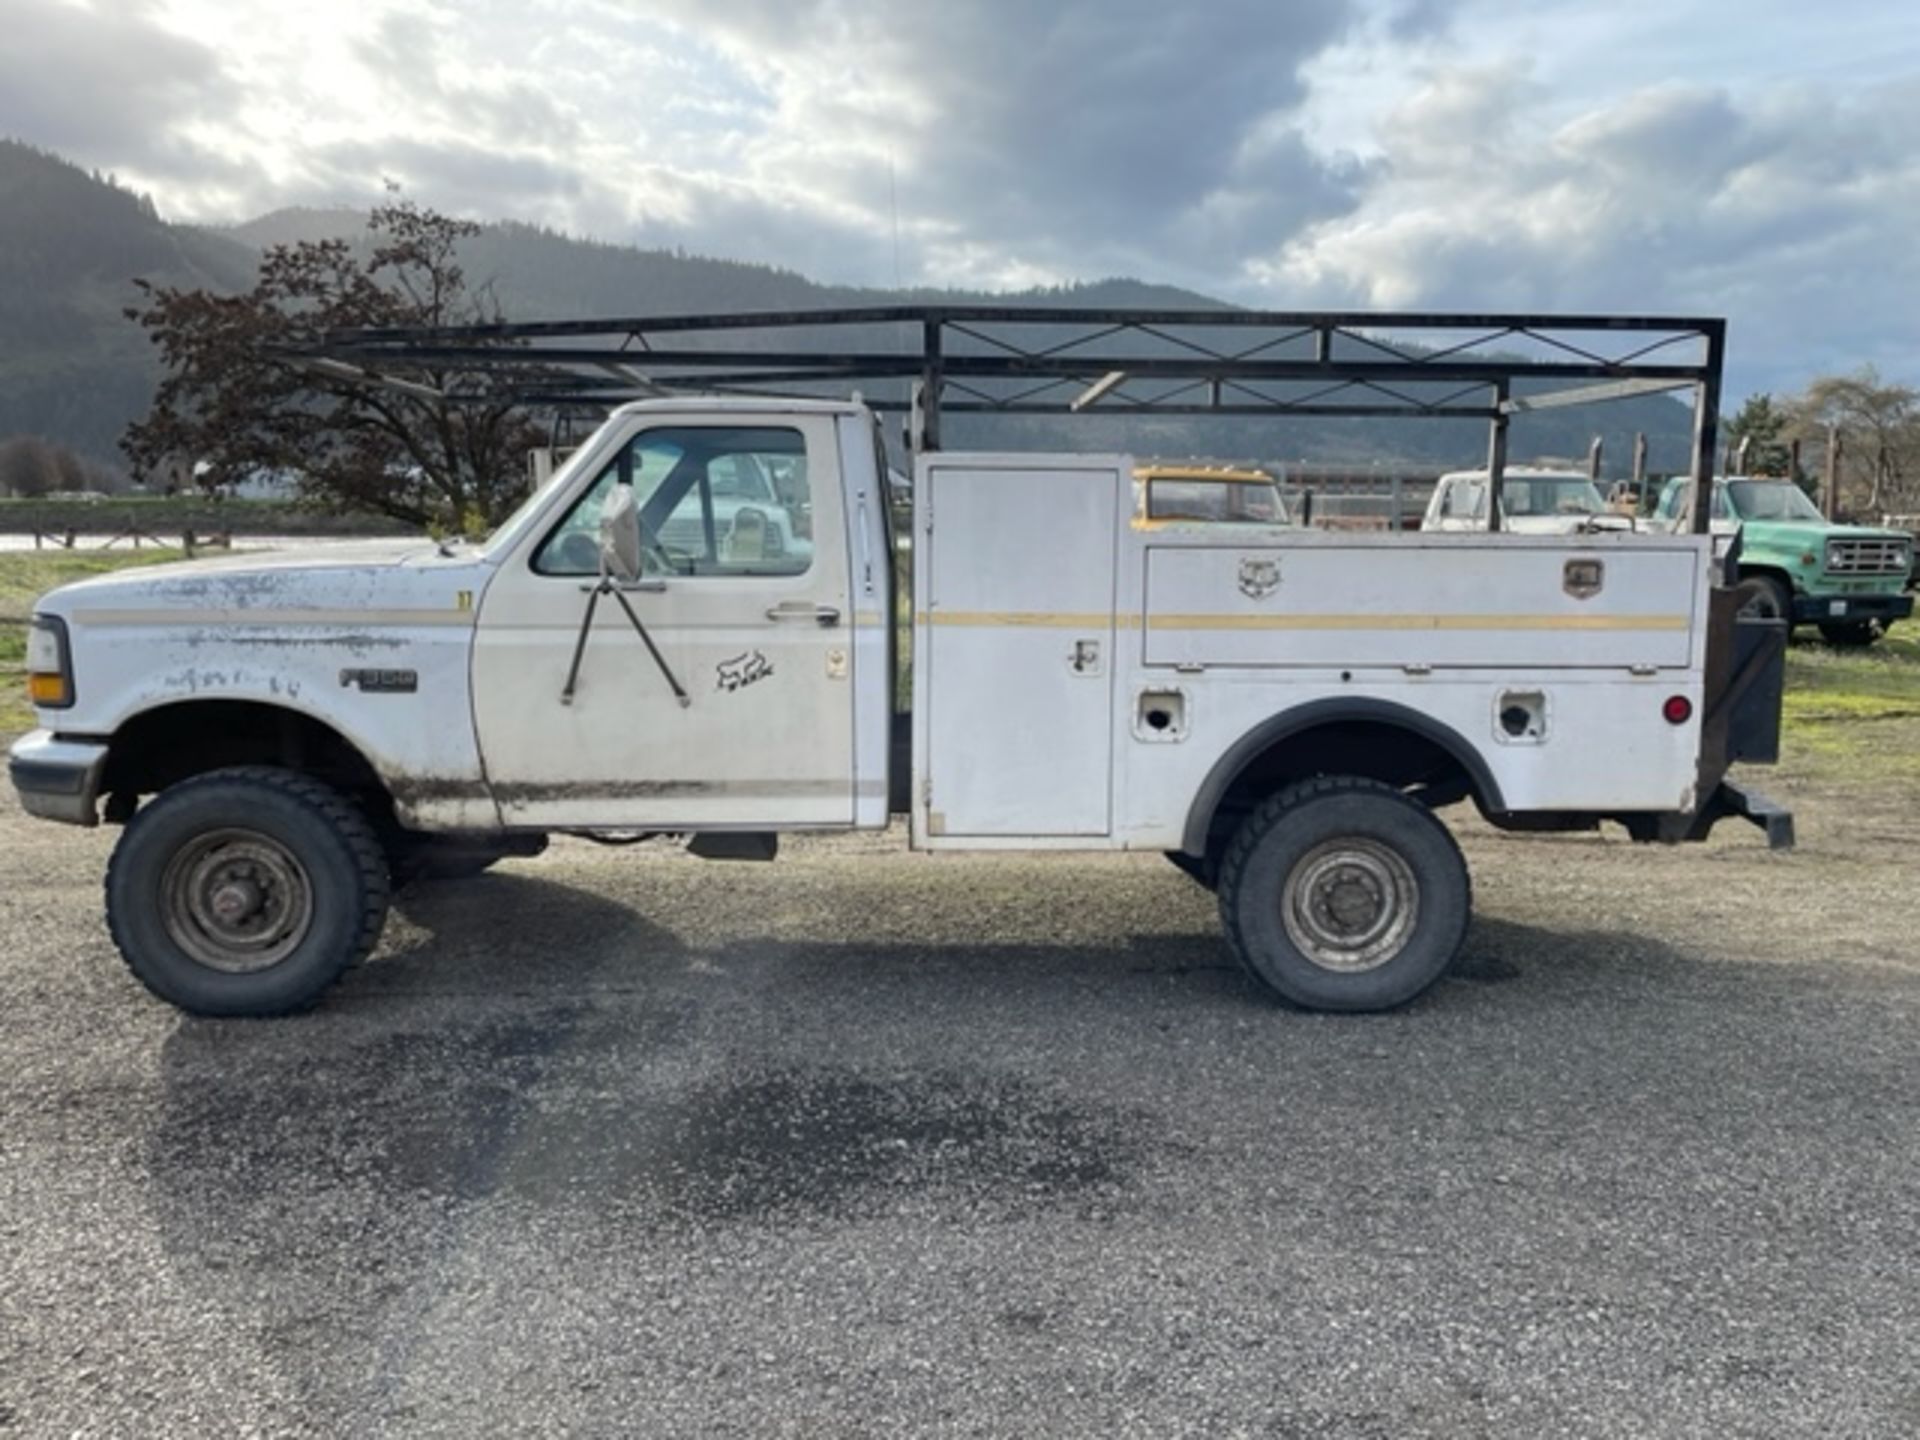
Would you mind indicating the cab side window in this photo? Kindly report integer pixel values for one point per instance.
(1462, 500)
(712, 501)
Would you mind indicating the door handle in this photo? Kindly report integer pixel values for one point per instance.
(825, 616)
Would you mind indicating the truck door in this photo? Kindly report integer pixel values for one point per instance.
(1014, 684)
(745, 592)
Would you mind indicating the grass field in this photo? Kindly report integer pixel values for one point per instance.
(26, 575)
(1853, 716)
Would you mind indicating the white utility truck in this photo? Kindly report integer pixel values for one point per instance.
(1282, 712)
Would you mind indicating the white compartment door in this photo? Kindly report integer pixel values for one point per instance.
(1018, 632)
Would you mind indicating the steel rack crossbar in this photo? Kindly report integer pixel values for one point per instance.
(935, 360)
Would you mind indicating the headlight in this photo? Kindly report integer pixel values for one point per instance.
(49, 664)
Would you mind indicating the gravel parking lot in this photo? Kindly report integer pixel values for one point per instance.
(872, 1143)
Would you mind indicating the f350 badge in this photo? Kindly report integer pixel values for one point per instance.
(1258, 578)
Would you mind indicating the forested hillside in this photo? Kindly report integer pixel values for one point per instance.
(72, 369)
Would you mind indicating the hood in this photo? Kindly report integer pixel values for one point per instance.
(1866, 532)
(1557, 524)
(1807, 531)
(340, 575)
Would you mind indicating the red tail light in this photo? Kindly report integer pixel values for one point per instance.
(1677, 709)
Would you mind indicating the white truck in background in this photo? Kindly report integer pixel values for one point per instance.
(1284, 712)
(1534, 500)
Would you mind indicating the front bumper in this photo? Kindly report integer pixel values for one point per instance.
(1839, 609)
(57, 778)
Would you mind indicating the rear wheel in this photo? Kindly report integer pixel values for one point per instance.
(1850, 633)
(246, 891)
(1341, 893)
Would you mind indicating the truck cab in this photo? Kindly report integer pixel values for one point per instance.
(692, 629)
(1196, 494)
(1799, 566)
(1533, 501)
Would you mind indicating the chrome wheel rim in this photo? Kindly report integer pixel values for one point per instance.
(1350, 904)
(236, 900)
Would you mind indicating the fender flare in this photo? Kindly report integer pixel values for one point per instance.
(1312, 716)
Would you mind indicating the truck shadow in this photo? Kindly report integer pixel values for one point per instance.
(519, 938)
(424, 1070)
(328, 1186)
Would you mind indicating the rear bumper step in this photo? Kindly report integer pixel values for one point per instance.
(1770, 815)
(1725, 801)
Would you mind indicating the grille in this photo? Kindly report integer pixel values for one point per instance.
(1868, 557)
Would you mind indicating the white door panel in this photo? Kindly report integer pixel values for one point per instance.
(766, 740)
(1019, 636)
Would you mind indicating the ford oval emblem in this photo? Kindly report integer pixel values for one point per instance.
(1258, 578)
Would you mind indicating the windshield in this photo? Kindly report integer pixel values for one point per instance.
(562, 473)
(1773, 500)
(1673, 500)
(1214, 500)
(1524, 495)
(1530, 496)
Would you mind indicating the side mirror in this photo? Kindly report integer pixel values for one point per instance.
(620, 549)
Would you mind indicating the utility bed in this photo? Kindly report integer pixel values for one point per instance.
(1077, 678)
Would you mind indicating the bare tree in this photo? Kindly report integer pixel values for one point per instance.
(1879, 424)
(444, 450)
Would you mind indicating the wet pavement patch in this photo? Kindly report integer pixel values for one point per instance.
(529, 1111)
(793, 1145)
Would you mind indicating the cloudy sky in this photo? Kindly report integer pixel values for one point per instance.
(1752, 158)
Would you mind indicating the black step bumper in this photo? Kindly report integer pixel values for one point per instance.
(1727, 801)
(1843, 609)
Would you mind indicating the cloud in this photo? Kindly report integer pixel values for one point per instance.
(1433, 153)
(1789, 210)
(109, 86)
(1072, 138)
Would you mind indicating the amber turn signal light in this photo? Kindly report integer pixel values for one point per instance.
(49, 690)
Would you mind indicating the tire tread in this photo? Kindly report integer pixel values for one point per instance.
(369, 859)
(1268, 813)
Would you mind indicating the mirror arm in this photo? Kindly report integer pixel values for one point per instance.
(666, 670)
(607, 587)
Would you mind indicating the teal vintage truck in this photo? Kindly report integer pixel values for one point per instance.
(1850, 580)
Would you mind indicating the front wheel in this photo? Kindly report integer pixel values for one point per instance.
(246, 891)
(1765, 598)
(1341, 893)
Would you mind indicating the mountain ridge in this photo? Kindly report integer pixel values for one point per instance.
(77, 372)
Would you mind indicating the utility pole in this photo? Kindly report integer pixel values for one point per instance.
(1830, 479)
